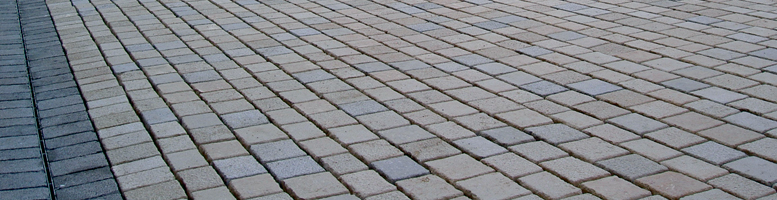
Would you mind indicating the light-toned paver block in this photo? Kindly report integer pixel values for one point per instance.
(428, 187)
(314, 186)
(673, 185)
(612, 187)
(492, 186)
(549, 186)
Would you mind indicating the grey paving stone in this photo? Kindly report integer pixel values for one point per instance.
(279, 150)
(768, 53)
(410, 65)
(721, 54)
(399, 168)
(534, 51)
(23, 165)
(425, 27)
(570, 7)
(405, 134)
(15, 154)
(19, 142)
(274, 51)
(631, 166)
(566, 35)
(294, 167)
(166, 78)
(490, 25)
(23, 180)
(495, 68)
(714, 194)
(719, 95)
(755, 168)
(63, 119)
(543, 88)
(703, 20)
(507, 135)
(684, 84)
(159, 115)
(772, 69)
(201, 76)
(472, 59)
(89, 190)
(304, 32)
(519, 78)
(77, 164)
(244, 119)
(83, 177)
(372, 67)
(592, 11)
(74, 151)
(313, 76)
(751, 121)
(637, 123)
(556, 133)
(594, 87)
(479, 147)
(184, 59)
(342, 197)
(238, 167)
(27, 193)
(362, 107)
(714, 153)
(509, 19)
(747, 37)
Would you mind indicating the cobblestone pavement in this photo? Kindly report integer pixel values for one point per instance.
(406, 99)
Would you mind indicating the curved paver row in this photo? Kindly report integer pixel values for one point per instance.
(429, 99)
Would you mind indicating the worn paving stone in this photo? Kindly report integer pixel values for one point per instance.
(714, 153)
(755, 168)
(549, 186)
(479, 147)
(399, 168)
(673, 184)
(428, 187)
(294, 167)
(631, 166)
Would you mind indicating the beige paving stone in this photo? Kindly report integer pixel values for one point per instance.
(512, 165)
(741, 186)
(314, 186)
(675, 138)
(382, 120)
(367, 183)
(672, 184)
(200, 178)
(546, 107)
(479, 122)
(450, 131)
(331, 119)
(221, 150)
(259, 134)
(213, 193)
(523, 118)
(428, 187)
(429, 149)
(254, 186)
(593, 149)
(492, 186)
(424, 117)
(374, 150)
(186, 160)
(611, 133)
(458, 167)
(303, 131)
(650, 149)
(730, 135)
(132, 153)
(764, 148)
(576, 119)
(692, 121)
(601, 110)
(549, 186)
(145, 178)
(166, 190)
(612, 187)
(322, 147)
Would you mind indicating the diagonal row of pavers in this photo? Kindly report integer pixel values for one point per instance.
(429, 100)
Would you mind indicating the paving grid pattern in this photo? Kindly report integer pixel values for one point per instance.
(438, 99)
(48, 146)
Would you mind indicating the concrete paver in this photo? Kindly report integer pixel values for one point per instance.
(401, 99)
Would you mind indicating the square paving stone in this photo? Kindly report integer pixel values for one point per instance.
(741, 186)
(254, 186)
(684, 84)
(313, 76)
(428, 187)
(490, 25)
(714, 194)
(315, 186)
(594, 87)
(615, 188)
(752, 121)
(694, 167)
(549, 186)
(238, 167)
(570, 7)
(399, 168)
(479, 147)
(574, 170)
(507, 135)
(714, 153)
(273, 151)
(367, 183)
(374, 150)
(424, 27)
(472, 59)
(755, 168)
(201, 76)
(343, 164)
(632, 166)
(556, 133)
(637, 123)
(719, 95)
(362, 107)
(244, 119)
(730, 135)
(304, 32)
(458, 167)
(703, 20)
(372, 67)
(543, 88)
(512, 165)
(430, 149)
(294, 167)
(593, 149)
(673, 185)
(566, 35)
(495, 68)
(535, 51)
(768, 53)
(410, 65)
(492, 186)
